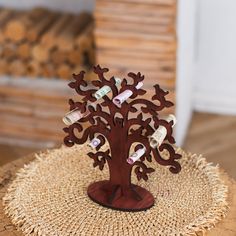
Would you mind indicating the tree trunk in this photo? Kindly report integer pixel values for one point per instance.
(118, 192)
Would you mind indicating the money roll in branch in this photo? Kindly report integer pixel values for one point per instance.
(94, 143)
(159, 135)
(75, 115)
(135, 156)
(105, 90)
(120, 98)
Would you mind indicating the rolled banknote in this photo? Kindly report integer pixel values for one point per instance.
(136, 155)
(159, 135)
(120, 98)
(94, 143)
(105, 89)
(73, 116)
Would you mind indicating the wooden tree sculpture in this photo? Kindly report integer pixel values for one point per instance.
(116, 128)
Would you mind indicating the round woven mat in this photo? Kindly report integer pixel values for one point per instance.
(48, 197)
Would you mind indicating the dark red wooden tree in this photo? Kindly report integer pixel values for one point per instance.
(115, 127)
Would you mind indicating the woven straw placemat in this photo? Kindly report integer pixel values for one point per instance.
(48, 197)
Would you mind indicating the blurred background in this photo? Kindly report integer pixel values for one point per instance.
(186, 46)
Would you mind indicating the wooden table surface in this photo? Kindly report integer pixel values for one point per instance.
(226, 227)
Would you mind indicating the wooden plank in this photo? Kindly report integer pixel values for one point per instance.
(138, 63)
(43, 112)
(45, 90)
(165, 38)
(139, 45)
(153, 2)
(23, 102)
(33, 123)
(28, 132)
(133, 27)
(135, 18)
(141, 9)
(144, 55)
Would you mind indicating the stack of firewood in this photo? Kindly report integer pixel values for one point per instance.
(137, 35)
(43, 43)
(40, 44)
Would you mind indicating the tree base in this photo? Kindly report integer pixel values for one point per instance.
(135, 198)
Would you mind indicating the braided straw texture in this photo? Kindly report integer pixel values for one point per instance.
(48, 197)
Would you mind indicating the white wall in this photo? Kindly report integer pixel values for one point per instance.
(215, 79)
(65, 5)
(185, 65)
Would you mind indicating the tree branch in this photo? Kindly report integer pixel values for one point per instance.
(89, 132)
(171, 161)
(80, 82)
(100, 158)
(136, 79)
(103, 81)
(160, 96)
(142, 170)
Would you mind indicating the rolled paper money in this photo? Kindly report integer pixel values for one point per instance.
(120, 98)
(159, 135)
(73, 116)
(136, 155)
(105, 89)
(94, 143)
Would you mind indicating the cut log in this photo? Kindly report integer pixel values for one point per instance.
(85, 45)
(5, 15)
(66, 37)
(58, 56)
(48, 70)
(40, 53)
(24, 50)
(49, 37)
(9, 51)
(33, 69)
(17, 68)
(41, 26)
(75, 57)
(17, 28)
(4, 66)
(65, 72)
(85, 39)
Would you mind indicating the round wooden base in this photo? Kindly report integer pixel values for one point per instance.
(134, 199)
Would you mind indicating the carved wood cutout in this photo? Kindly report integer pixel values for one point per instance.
(118, 192)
